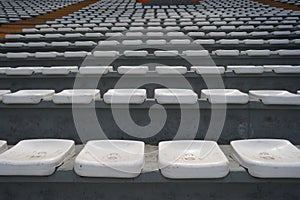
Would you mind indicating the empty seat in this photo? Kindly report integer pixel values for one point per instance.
(275, 97)
(206, 70)
(84, 43)
(108, 54)
(95, 70)
(18, 55)
(60, 44)
(190, 159)
(46, 54)
(285, 69)
(245, 69)
(268, 158)
(37, 44)
(20, 71)
(156, 42)
(172, 53)
(13, 44)
(229, 41)
(254, 41)
(110, 158)
(28, 96)
(125, 96)
(204, 41)
(175, 96)
(130, 53)
(154, 34)
(196, 34)
(59, 70)
(278, 41)
(224, 96)
(75, 54)
(76, 96)
(108, 43)
(132, 69)
(290, 52)
(227, 52)
(263, 52)
(38, 157)
(170, 70)
(197, 53)
(132, 42)
(180, 41)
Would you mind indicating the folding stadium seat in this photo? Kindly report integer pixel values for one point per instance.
(190, 159)
(263, 52)
(76, 96)
(275, 97)
(129, 53)
(37, 44)
(132, 42)
(180, 41)
(125, 96)
(23, 70)
(254, 41)
(38, 157)
(134, 34)
(204, 41)
(216, 34)
(227, 52)
(171, 53)
(28, 96)
(59, 70)
(292, 52)
(229, 41)
(224, 96)
(208, 70)
(132, 70)
(110, 158)
(18, 55)
(107, 54)
(46, 54)
(90, 70)
(108, 43)
(13, 44)
(195, 53)
(175, 96)
(75, 54)
(169, 70)
(245, 69)
(268, 158)
(156, 42)
(52, 35)
(84, 43)
(282, 69)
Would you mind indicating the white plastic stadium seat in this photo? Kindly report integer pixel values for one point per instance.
(275, 97)
(190, 159)
(245, 69)
(38, 157)
(224, 96)
(170, 70)
(206, 70)
(268, 158)
(89, 70)
(28, 96)
(175, 96)
(132, 69)
(76, 96)
(125, 96)
(110, 158)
